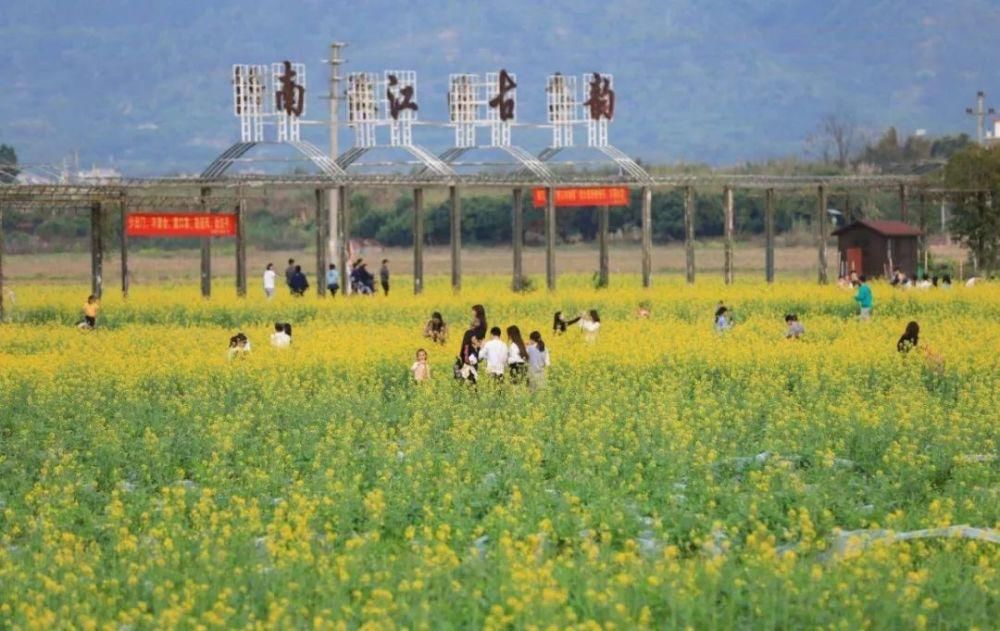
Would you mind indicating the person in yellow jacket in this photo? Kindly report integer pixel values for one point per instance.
(90, 309)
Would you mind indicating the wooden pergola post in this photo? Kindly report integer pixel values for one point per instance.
(904, 203)
(123, 207)
(647, 236)
(343, 235)
(456, 238)
(96, 249)
(922, 240)
(1, 265)
(517, 238)
(729, 225)
(550, 238)
(418, 241)
(689, 233)
(206, 250)
(603, 220)
(321, 241)
(822, 228)
(241, 247)
(769, 235)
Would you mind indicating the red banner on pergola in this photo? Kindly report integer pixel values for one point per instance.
(180, 225)
(585, 196)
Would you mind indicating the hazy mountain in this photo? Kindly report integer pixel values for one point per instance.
(146, 84)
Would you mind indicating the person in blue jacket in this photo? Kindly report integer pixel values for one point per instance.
(864, 298)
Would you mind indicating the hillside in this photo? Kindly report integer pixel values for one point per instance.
(146, 85)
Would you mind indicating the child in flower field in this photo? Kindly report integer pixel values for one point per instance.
(723, 318)
(90, 309)
(239, 346)
(538, 360)
(643, 310)
(421, 369)
(795, 329)
(910, 340)
(436, 329)
(282, 336)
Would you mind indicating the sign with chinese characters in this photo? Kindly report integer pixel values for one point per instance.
(180, 225)
(389, 101)
(568, 106)
(586, 196)
(475, 101)
(269, 94)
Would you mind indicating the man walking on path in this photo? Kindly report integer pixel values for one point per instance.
(864, 298)
(383, 276)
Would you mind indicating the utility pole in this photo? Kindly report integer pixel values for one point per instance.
(980, 113)
(333, 198)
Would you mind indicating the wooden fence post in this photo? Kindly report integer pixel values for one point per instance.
(456, 238)
(206, 250)
(343, 238)
(647, 235)
(517, 238)
(769, 235)
(603, 220)
(241, 247)
(550, 238)
(728, 228)
(418, 241)
(822, 230)
(689, 233)
(321, 243)
(123, 207)
(96, 249)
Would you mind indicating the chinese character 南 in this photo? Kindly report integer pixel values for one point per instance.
(500, 102)
(602, 98)
(400, 98)
(291, 97)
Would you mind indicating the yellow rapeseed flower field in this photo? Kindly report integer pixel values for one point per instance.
(666, 475)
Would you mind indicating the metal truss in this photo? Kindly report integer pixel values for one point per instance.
(178, 191)
(430, 162)
(619, 158)
(530, 165)
(235, 153)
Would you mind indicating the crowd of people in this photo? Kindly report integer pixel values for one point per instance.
(504, 355)
(361, 280)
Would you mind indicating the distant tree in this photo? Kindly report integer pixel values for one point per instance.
(8, 164)
(885, 151)
(946, 146)
(976, 216)
(837, 136)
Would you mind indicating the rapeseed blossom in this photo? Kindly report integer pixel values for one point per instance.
(666, 476)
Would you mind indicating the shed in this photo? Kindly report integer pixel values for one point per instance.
(875, 247)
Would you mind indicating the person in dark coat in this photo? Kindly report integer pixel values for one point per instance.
(299, 282)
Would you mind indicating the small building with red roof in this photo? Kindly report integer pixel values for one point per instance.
(874, 247)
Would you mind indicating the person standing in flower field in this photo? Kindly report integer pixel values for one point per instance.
(90, 309)
(864, 298)
(495, 354)
(421, 369)
(299, 283)
(517, 355)
(290, 272)
(332, 280)
(383, 276)
(538, 360)
(270, 276)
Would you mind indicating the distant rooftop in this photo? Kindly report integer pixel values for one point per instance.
(885, 227)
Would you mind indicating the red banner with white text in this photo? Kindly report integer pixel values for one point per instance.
(585, 196)
(180, 225)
